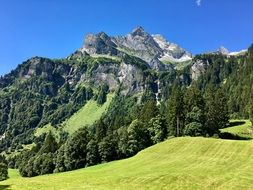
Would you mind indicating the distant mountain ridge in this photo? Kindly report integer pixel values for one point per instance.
(154, 49)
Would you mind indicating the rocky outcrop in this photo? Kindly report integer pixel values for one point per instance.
(99, 44)
(198, 68)
(139, 43)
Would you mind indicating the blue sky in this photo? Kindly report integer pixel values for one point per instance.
(56, 28)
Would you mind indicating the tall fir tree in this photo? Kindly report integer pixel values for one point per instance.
(175, 114)
(194, 107)
(216, 110)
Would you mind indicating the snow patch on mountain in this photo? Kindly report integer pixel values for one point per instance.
(171, 52)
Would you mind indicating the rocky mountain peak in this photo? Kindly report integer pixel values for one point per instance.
(222, 50)
(99, 43)
(153, 49)
(139, 31)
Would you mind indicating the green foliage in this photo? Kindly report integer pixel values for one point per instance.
(194, 107)
(157, 129)
(103, 90)
(138, 137)
(39, 160)
(75, 150)
(107, 149)
(148, 111)
(216, 111)
(50, 144)
(92, 157)
(193, 129)
(3, 168)
(175, 112)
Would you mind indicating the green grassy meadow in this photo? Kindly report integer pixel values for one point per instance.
(242, 128)
(178, 163)
(87, 115)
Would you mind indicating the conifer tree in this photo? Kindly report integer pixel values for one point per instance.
(3, 168)
(175, 116)
(216, 111)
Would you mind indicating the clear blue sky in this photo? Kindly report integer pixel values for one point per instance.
(56, 28)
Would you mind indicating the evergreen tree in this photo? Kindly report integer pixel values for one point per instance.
(3, 168)
(59, 160)
(175, 114)
(148, 111)
(101, 98)
(123, 142)
(50, 145)
(216, 111)
(107, 149)
(194, 107)
(251, 108)
(157, 129)
(92, 156)
(138, 137)
(195, 122)
(75, 150)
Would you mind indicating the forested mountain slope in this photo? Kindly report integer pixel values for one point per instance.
(157, 90)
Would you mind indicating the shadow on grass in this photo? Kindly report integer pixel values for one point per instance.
(235, 123)
(226, 135)
(4, 187)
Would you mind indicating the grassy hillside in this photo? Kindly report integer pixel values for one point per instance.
(87, 115)
(178, 163)
(241, 128)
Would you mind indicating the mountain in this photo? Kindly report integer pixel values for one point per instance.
(115, 96)
(153, 49)
(224, 51)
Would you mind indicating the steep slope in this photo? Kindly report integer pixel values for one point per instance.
(179, 163)
(87, 115)
(43, 91)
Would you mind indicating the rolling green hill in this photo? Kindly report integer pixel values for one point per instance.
(178, 163)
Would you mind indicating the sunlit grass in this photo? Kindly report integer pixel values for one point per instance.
(178, 163)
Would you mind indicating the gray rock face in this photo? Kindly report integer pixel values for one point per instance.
(130, 77)
(140, 44)
(198, 68)
(153, 49)
(99, 44)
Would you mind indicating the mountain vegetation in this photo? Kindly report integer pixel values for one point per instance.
(141, 101)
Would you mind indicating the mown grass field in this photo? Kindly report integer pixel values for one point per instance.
(178, 163)
(241, 128)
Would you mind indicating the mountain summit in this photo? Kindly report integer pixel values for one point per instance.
(154, 49)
